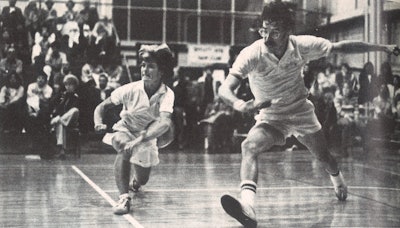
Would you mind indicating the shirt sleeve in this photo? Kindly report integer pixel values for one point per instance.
(312, 48)
(243, 63)
(167, 102)
(117, 95)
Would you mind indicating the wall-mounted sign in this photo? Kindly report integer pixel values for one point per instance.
(202, 55)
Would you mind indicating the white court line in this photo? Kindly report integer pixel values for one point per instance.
(378, 169)
(270, 188)
(128, 217)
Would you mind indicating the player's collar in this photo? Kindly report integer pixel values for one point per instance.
(161, 90)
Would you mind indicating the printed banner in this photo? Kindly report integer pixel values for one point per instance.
(202, 55)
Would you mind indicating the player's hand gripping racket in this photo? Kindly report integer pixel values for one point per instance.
(265, 104)
(396, 51)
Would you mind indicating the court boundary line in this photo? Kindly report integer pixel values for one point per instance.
(378, 169)
(128, 217)
(261, 188)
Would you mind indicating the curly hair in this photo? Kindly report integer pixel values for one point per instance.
(280, 12)
(162, 55)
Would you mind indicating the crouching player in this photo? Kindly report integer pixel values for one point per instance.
(145, 124)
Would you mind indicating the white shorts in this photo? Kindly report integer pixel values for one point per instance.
(144, 154)
(299, 121)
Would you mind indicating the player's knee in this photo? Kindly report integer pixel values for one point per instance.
(251, 148)
(119, 142)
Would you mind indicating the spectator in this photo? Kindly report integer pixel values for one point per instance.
(326, 78)
(5, 43)
(396, 99)
(66, 113)
(38, 122)
(70, 14)
(346, 104)
(207, 95)
(56, 60)
(382, 125)
(368, 84)
(51, 13)
(38, 95)
(325, 109)
(32, 18)
(345, 75)
(11, 104)
(89, 98)
(181, 99)
(101, 47)
(10, 63)
(218, 125)
(41, 45)
(105, 90)
(114, 72)
(386, 78)
(88, 15)
(14, 22)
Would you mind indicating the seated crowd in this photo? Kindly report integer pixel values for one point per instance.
(54, 70)
(361, 106)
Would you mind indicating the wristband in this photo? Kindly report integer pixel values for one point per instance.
(237, 105)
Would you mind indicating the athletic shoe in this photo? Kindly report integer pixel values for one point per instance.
(123, 205)
(339, 186)
(134, 186)
(241, 212)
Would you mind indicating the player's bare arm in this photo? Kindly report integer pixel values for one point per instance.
(155, 130)
(349, 46)
(99, 126)
(158, 127)
(226, 92)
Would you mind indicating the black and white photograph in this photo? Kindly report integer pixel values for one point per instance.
(199, 113)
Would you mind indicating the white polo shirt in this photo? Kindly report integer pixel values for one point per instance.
(138, 108)
(271, 78)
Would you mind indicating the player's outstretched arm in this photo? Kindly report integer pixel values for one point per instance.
(226, 92)
(154, 130)
(349, 46)
(99, 126)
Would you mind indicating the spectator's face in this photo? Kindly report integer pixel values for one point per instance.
(396, 81)
(12, 2)
(13, 81)
(346, 90)
(6, 35)
(103, 82)
(70, 87)
(41, 80)
(56, 88)
(11, 54)
(86, 4)
(149, 71)
(328, 97)
(344, 69)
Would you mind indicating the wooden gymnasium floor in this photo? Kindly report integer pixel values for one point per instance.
(184, 191)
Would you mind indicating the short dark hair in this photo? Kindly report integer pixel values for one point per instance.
(280, 12)
(163, 57)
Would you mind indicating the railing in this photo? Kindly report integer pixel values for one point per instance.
(124, 60)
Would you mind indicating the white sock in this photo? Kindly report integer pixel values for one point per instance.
(125, 195)
(337, 180)
(248, 192)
